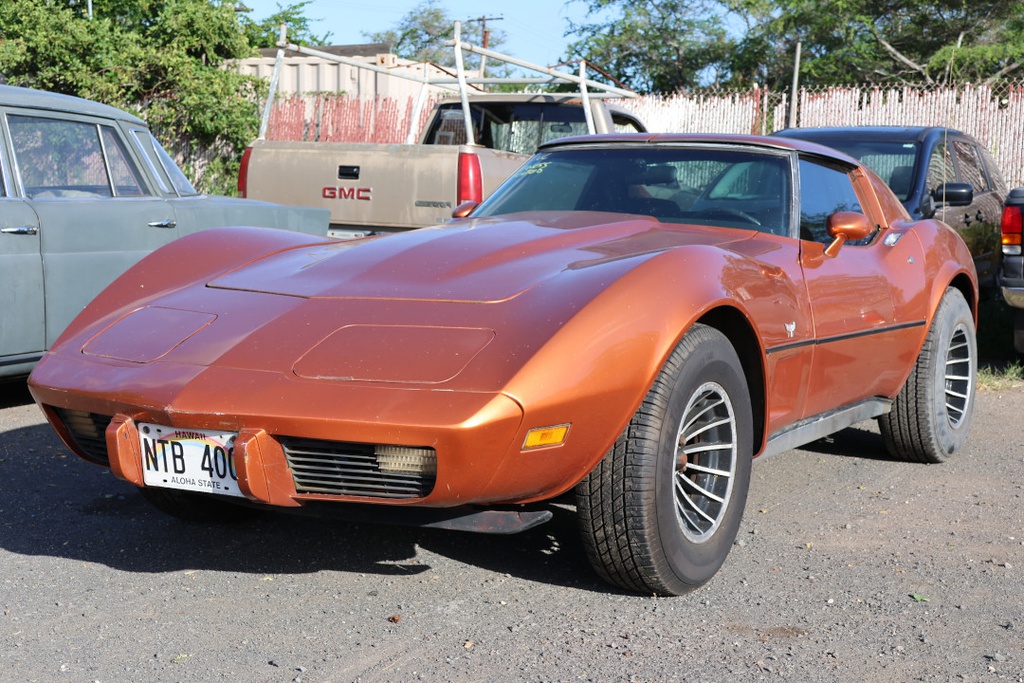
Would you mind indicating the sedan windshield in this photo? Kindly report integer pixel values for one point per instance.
(682, 184)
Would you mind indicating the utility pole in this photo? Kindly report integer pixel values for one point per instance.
(486, 38)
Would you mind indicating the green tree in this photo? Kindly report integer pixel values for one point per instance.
(656, 45)
(161, 59)
(879, 41)
(421, 33)
(264, 32)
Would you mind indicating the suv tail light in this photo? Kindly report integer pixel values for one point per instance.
(471, 185)
(243, 172)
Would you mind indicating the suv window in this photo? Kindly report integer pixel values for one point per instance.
(940, 168)
(57, 158)
(824, 190)
(970, 166)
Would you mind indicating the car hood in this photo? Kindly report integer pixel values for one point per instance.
(485, 260)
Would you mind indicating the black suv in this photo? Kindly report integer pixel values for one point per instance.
(936, 172)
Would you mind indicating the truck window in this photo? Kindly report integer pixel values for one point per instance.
(519, 128)
(625, 124)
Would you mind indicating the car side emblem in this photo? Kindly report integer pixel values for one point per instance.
(791, 329)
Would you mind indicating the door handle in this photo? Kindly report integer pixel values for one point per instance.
(21, 230)
(169, 223)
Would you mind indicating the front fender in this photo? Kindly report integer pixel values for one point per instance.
(595, 371)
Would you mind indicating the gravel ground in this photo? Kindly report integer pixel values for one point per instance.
(848, 567)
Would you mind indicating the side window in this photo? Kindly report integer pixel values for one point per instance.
(181, 184)
(824, 190)
(127, 182)
(58, 158)
(145, 143)
(624, 124)
(940, 168)
(970, 166)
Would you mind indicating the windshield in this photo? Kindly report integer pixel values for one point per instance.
(679, 184)
(894, 161)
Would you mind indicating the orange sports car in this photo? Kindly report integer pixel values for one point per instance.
(632, 318)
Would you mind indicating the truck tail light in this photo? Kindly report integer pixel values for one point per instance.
(243, 172)
(1011, 225)
(471, 184)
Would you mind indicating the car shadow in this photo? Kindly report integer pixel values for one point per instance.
(860, 442)
(58, 505)
(14, 392)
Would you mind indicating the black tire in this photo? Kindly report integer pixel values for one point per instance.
(932, 413)
(640, 529)
(195, 507)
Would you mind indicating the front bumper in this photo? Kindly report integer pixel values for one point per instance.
(478, 437)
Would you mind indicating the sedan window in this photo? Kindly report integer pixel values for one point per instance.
(156, 155)
(58, 158)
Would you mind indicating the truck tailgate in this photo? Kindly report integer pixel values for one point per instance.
(368, 186)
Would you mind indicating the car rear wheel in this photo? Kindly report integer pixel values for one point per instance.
(660, 512)
(932, 413)
(195, 507)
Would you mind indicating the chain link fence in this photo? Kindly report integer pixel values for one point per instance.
(993, 114)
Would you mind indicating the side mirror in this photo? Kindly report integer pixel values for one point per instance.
(464, 209)
(954, 194)
(846, 226)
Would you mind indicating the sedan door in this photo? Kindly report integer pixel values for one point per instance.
(22, 332)
(97, 215)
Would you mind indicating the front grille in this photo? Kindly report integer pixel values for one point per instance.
(352, 469)
(88, 431)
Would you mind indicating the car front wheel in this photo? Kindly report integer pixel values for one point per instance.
(660, 512)
(932, 413)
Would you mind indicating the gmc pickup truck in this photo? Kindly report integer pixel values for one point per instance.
(377, 188)
(372, 188)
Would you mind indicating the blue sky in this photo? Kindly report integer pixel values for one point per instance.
(533, 28)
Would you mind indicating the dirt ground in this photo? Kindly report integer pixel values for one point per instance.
(848, 567)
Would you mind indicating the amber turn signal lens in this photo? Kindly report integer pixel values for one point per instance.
(540, 437)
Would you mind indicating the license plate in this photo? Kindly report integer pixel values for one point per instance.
(188, 459)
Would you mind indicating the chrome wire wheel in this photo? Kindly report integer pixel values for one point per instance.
(706, 453)
(959, 376)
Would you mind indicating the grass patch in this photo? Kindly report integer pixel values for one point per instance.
(994, 376)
